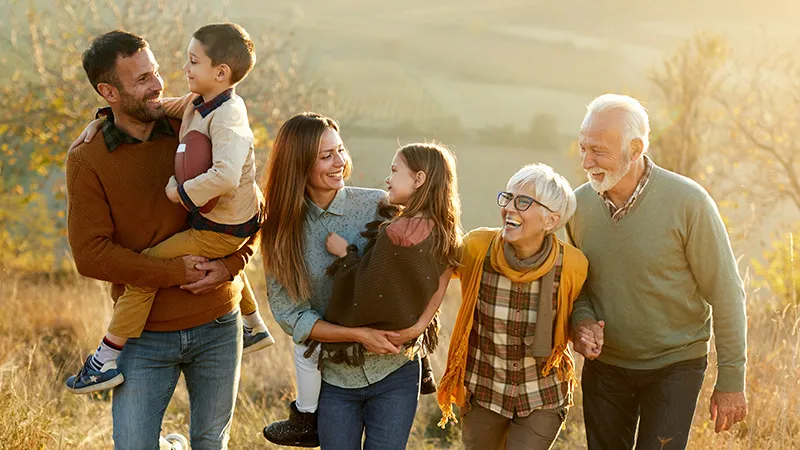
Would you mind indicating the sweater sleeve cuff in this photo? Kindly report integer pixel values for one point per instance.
(234, 266)
(730, 379)
(581, 314)
(177, 271)
(351, 258)
(187, 202)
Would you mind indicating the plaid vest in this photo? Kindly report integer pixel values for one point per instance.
(502, 375)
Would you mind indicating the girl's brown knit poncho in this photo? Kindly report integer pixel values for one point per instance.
(386, 289)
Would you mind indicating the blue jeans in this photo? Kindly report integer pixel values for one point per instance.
(385, 410)
(209, 357)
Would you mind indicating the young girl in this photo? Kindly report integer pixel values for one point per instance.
(400, 282)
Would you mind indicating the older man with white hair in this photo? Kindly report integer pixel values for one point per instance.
(660, 268)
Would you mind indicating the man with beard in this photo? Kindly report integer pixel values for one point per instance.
(117, 208)
(660, 267)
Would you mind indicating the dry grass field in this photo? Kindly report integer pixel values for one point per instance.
(48, 325)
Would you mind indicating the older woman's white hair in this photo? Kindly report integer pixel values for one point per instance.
(549, 188)
(635, 121)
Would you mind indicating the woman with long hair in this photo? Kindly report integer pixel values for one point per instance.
(306, 201)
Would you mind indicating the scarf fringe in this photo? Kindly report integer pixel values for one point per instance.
(449, 387)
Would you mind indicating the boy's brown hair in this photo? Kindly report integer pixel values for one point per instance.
(230, 44)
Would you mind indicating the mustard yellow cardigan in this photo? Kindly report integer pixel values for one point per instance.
(476, 245)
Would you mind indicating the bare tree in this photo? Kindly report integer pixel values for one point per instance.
(685, 126)
(763, 127)
(47, 101)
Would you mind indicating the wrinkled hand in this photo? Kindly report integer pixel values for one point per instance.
(190, 263)
(377, 341)
(336, 245)
(88, 133)
(406, 335)
(216, 275)
(588, 338)
(727, 409)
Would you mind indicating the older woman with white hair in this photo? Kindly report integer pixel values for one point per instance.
(509, 368)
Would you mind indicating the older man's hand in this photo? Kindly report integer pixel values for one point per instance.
(588, 338)
(727, 409)
(216, 274)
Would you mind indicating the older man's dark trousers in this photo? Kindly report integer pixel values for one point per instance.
(662, 401)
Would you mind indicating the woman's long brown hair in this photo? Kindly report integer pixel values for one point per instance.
(437, 199)
(294, 153)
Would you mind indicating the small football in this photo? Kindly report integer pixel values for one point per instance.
(194, 158)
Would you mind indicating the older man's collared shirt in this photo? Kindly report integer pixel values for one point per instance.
(114, 137)
(351, 209)
(502, 374)
(618, 213)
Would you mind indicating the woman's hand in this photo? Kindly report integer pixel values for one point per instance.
(88, 133)
(406, 335)
(336, 245)
(377, 341)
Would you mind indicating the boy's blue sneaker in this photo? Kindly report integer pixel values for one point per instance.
(91, 380)
(256, 339)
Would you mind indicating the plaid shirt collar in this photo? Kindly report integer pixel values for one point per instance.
(206, 107)
(336, 207)
(618, 213)
(115, 137)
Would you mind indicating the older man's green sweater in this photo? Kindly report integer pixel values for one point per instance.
(659, 275)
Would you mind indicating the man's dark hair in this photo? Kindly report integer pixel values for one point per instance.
(100, 59)
(228, 43)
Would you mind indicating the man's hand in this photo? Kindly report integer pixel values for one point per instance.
(588, 338)
(215, 275)
(377, 341)
(336, 245)
(193, 273)
(727, 409)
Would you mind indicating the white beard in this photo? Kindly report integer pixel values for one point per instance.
(611, 178)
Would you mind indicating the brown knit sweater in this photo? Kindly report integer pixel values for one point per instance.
(117, 208)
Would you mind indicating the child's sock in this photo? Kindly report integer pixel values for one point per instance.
(104, 353)
(252, 321)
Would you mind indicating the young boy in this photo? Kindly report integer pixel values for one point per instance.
(219, 57)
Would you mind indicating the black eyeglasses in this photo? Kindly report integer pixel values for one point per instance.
(521, 202)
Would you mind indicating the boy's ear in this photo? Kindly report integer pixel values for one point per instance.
(419, 179)
(223, 72)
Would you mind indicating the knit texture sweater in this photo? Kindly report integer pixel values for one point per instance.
(117, 208)
(659, 275)
(388, 289)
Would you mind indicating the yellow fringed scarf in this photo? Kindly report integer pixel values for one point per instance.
(476, 244)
